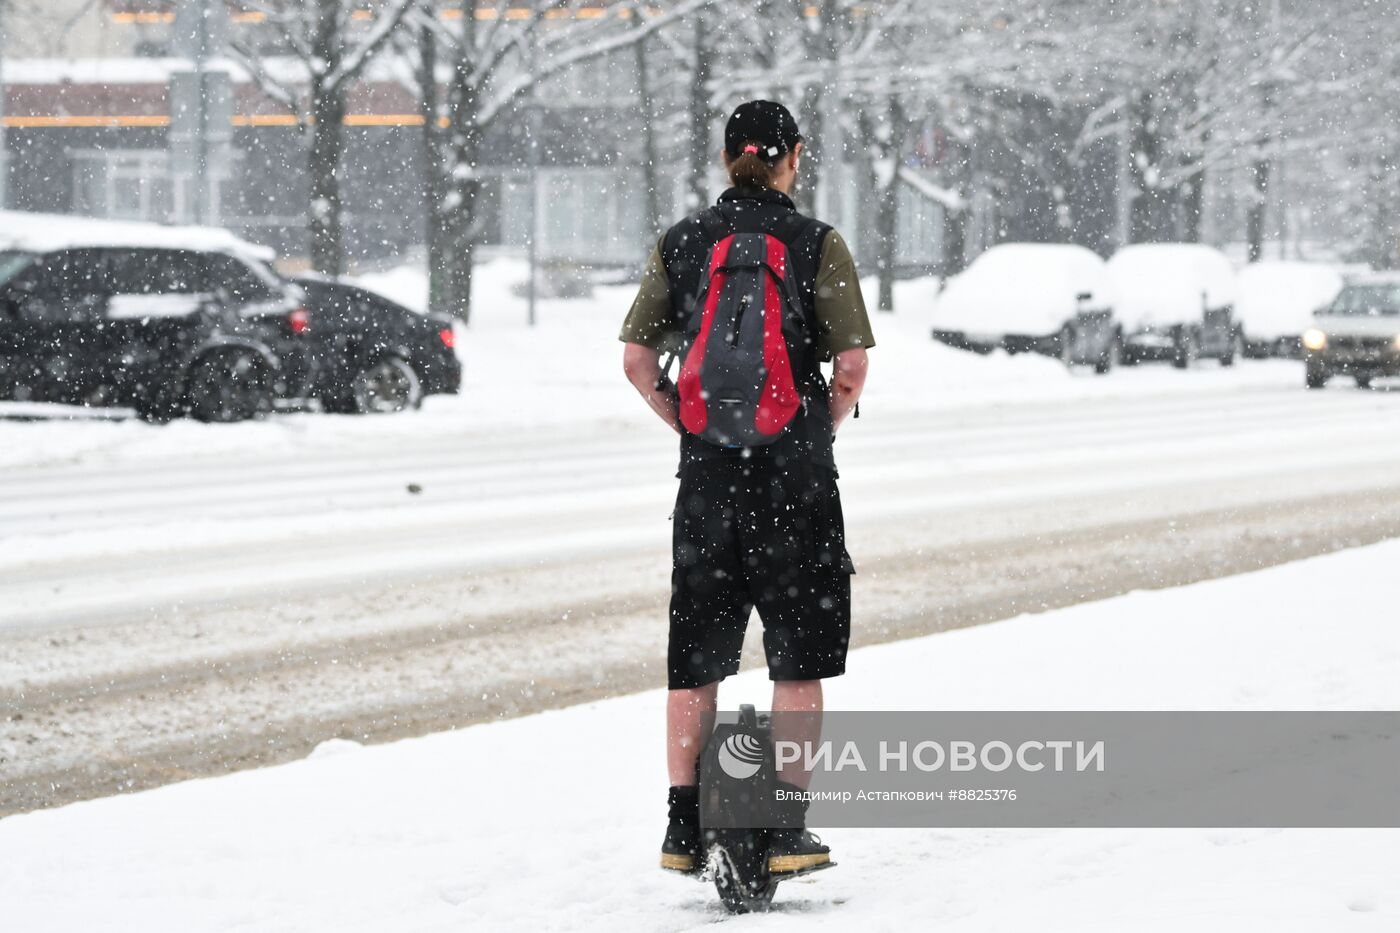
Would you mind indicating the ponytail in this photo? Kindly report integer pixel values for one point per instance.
(750, 170)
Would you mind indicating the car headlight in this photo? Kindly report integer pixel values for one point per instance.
(1396, 343)
(1314, 339)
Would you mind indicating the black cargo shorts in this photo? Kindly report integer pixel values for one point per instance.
(758, 532)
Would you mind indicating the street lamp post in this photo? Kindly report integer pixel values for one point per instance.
(4, 143)
(201, 101)
(532, 129)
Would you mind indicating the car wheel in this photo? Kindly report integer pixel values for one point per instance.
(1317, 377)
(228, 385)
(1064, 344)
(389, 385)
(21, 380)
(1235, 351)
(155, 411)
(1186, 351)
(1363, 382)
(1112, 356)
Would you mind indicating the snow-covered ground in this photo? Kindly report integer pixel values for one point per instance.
(193, 599)
(552, 822)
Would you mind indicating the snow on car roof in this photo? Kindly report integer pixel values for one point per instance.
(1027, 257)
(45, 232)
(1024, 288)
(1170, 283)
(1277, 299)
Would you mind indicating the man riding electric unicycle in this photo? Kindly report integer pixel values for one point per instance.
(752, 297)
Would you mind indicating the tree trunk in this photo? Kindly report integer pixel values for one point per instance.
(1144, 168)
(819, 107)
(698, 194)
(954, 241)
(327, 130)
(453, 273)
(434, 172)
(1192, 202)
(958, 178)
(651, 180)
(1258, 205)
(451, 277)
(323, 168)
(451, 253)
(886, 217)
(810, 111)
(886, 145)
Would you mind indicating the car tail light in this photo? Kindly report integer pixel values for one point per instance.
(448, 338)
(299, 321)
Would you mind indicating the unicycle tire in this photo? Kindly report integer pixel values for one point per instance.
(740, 867)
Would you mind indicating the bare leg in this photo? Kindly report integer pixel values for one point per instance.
(797, 696)
(685, 712)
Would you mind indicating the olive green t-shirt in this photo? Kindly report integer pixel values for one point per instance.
(842, 321)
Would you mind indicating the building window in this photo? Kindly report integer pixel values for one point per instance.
(587, 215)
(123, 184)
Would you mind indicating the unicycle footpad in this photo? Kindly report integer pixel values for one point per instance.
(800, 872)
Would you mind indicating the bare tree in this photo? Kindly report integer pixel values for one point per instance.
(1204, 85)
(486, 65)
(884, 135)
(646, 102)
(332, 53)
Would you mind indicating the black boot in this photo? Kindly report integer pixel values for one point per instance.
(795, 849)
(680, 851)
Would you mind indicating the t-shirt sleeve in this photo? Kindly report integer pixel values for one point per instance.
(649, 319)
(841, 314)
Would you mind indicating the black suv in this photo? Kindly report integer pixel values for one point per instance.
(207, 332)
(374, 355)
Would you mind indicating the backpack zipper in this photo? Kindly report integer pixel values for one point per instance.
(733, 336)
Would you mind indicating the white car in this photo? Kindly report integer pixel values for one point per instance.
(1176, 302)
(1358, 334)
(1053, 298)
(1277, 301)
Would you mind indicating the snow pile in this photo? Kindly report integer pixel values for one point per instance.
(476, 829)
(1027, 289)
(40, 233)
(1277, 299)
(1160, 284)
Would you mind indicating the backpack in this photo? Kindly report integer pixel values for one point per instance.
(748, 349)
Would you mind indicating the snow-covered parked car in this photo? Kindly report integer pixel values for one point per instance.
(1053, 298)
(1175, 302)
(167, 320)
(1276, 304)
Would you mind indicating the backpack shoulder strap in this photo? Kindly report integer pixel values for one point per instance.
(791, 228)
(715, 225)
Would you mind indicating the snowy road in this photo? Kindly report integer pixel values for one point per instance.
(469, 829)
(181, 614)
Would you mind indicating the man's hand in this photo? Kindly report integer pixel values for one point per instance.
(643, 368)
(847, 381)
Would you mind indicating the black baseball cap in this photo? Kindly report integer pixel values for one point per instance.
(765, 122)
